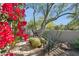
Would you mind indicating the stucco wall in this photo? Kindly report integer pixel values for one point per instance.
(65, 35)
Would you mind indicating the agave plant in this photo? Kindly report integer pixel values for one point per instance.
(52, 38)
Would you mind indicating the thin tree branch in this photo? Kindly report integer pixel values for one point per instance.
(34, 18)
(47, 13)
(34, 12)
(55, 18)
(63, 15)
(27, 7)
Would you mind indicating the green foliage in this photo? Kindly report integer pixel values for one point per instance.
(21, 6)
(74, 24)
(50, 26)
(18, 39)
(2, 51)
(52, 38)
(76, 43)
(37, 24)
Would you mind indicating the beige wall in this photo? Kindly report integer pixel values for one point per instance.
(66, 35)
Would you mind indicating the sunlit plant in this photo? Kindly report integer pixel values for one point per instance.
(12, 25)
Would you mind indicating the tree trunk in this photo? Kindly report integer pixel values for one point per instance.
(38, 32)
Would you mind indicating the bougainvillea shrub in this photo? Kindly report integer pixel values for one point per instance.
(12, 25)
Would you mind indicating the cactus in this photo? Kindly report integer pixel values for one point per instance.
(35, 42)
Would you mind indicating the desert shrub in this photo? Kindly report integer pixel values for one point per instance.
(52, 38)
(75, 44)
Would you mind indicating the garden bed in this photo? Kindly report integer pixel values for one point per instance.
(24, 50)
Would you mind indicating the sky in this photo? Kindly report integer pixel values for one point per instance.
(62, 20)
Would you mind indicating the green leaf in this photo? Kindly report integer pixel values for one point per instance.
(21, 6)
(2, 51)
(18, 39)
(10, 21)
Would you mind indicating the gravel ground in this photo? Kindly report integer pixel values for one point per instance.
(72, 53)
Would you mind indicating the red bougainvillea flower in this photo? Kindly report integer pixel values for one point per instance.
(15, 4)
(25, 37)
(10, 54)
(23, 12)
(7, 7)
(20, 27)
(23, 23)
(18, 11)
(21, 31)
(12, 16)
(15, 17)
(14, 13)
(6, 35)
(2, 43)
